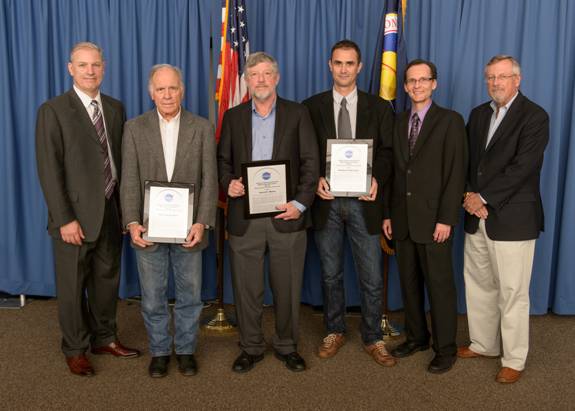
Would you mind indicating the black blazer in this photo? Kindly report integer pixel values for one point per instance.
(427, 187)
(374, 121)
(507, 172)
(70, 160)
(294, 140)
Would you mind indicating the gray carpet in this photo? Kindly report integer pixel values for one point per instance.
(33, 374)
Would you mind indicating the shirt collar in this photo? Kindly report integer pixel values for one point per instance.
(351, 98)
(86, 99)
(506, 106)
(175, 118)
(255, 112)
(421, 113)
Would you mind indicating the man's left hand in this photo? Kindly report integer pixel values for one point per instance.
(372, 191)
(195, 236)
(441, 233)
(472, 203)
(290, 212)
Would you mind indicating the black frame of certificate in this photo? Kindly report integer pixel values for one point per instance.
(328, 154)
(247, 183)
(170, 240)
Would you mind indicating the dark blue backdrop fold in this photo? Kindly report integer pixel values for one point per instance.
(458, 35)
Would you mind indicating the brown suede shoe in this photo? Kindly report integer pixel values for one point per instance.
(508, 375)
(466, 352)
(379, 353)
(330, 345)
(80, 365)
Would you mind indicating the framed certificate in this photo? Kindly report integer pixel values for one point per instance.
(168, 211)
(267, 185)
(349, 166)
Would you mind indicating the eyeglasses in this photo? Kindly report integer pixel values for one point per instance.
(501, 77)
(424, 81)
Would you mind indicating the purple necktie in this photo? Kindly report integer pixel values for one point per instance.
(98, 121)
(414, 132)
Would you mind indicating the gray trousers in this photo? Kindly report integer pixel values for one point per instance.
(286, 260)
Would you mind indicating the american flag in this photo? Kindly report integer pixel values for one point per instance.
(235, 47)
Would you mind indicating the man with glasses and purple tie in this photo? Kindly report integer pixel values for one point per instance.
(78, 145)
(422, 207)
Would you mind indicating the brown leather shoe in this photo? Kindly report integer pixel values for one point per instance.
(507, 375)
(330, 345)
(116, 349)
(466, 352)
(80, 365)
(379, 353)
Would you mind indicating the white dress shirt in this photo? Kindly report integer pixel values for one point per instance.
(169, 130)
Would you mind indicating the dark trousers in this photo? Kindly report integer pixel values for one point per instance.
(286, 259)
(346, 215)
(429, 265)
(87, 278)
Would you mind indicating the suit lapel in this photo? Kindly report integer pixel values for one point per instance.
(484, 131)
(327, 116)
(154, 137)
(246, 128)
(186, 135)
(507, 124)
(279, 127)
(83, 116)
(403, 127)
(362, 119)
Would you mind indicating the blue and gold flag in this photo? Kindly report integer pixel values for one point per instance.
(390, 60)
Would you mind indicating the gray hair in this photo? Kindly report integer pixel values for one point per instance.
(86, 45)
(502, 57)
(261, 57)
(159, 67)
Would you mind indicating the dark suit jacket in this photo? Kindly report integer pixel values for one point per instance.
(427, 187)
(506, 173)
(294, 140)
(70, 161)
(374, 121)
(195, 163)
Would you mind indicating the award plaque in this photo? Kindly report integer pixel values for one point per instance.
(348, 167)
(267, 186)
(168, 211)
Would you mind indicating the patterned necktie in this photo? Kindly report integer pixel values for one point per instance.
(343, 122)
(414, 132)
(98, 121)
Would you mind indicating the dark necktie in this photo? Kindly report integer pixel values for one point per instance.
(343, 122)
(98, 121)
(414, 132)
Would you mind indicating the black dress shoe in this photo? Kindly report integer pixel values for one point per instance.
(441, 363)
(293, 361)
(245, 362)
(159, 366)
(408, 348)
(187, 364)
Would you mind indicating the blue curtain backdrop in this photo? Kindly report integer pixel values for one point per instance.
(459, 36)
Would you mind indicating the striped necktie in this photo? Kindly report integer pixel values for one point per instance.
(414, 132)
(98, 121)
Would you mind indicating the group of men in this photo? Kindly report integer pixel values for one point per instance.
(425, 166)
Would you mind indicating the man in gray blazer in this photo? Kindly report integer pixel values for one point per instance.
(268, 128)
(78, 143)
(169, 144)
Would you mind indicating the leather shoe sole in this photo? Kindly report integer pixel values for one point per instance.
(508, 375)
(407, 349)
(466, 352)
(292, 361)
(80, 365)
(116, 349)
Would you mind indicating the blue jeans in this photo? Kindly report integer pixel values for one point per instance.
(346, 214)
(153, 267)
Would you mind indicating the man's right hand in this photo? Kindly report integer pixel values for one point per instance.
(72, 233)
(136, 231)
(386, 227)
(236, 188)
(323, 189)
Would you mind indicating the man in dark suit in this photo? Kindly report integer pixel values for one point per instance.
(507, 139)
(78, 144)
(360, 116)
(268, 128)
(166, 144)
(430, 150)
